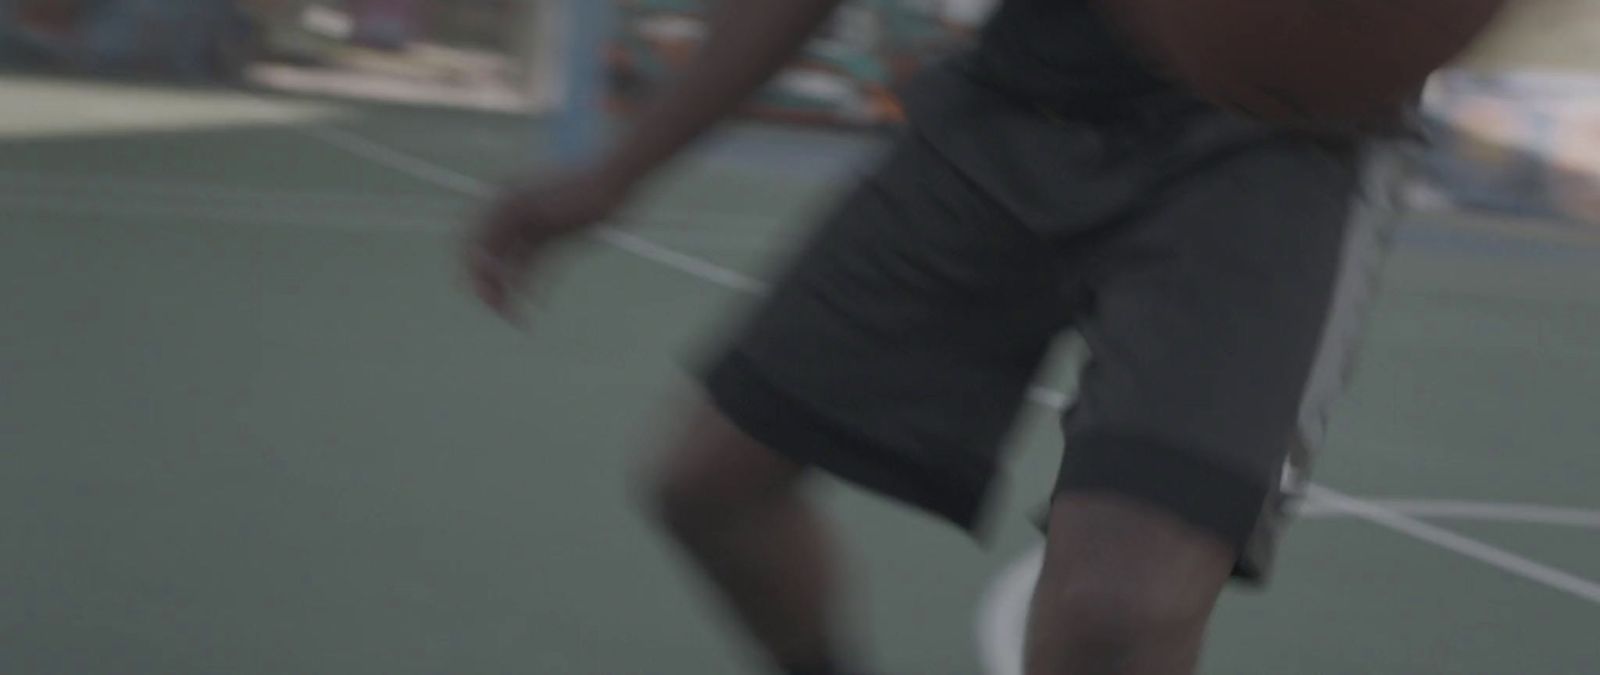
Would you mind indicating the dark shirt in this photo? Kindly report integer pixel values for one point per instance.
(1059, 122)
(1057, 53)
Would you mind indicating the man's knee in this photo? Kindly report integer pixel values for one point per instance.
(1113, 606)
(676, 501)
(1119, 575)
(713, 476)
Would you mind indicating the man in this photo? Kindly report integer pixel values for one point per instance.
(1048, 181)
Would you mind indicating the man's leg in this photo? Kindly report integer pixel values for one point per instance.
(892, 353)
(1217, 322)
(1126, 589)
(736, 508)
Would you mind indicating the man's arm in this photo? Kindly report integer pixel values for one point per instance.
(750, 41)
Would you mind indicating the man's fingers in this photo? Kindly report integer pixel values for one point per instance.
(497, 283)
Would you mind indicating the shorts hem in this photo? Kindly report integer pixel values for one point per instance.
(792, 427)
(1197, 490)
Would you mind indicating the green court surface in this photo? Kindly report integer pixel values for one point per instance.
(251, 423)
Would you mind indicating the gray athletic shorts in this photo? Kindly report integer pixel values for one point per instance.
(1217, 273)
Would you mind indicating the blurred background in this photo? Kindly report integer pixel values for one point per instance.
(1514, 123)
(466, 52)
(250, 422)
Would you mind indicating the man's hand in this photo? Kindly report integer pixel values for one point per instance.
(750, 40)
(525, 222)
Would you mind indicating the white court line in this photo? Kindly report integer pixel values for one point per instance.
(1002, 617)
(1493, 556)
(1001, 624)
(1472, 511)
(439, 176)
(682, 262)
(716, 274)
(416, 167)
(1324, 498)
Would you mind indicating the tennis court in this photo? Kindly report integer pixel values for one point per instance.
(251, 423)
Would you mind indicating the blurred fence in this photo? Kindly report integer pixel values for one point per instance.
(185, 39)
(847, 75)
(428, 42)
(1518, 142)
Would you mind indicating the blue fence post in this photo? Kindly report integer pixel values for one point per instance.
(580, 126)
